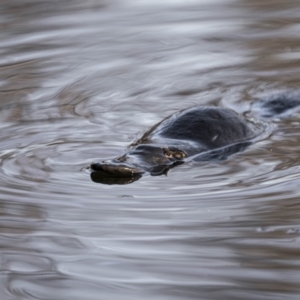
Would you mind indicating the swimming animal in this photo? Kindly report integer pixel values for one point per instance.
(200, 133)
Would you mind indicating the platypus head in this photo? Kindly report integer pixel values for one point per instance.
(144, 158)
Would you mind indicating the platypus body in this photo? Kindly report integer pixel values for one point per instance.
(199, 133)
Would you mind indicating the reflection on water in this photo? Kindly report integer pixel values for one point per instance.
(79, 81)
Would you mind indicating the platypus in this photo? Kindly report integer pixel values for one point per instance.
(199, 133)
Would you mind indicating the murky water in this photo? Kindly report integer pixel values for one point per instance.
(79, 81)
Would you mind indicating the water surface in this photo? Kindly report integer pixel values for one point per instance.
(78, 83)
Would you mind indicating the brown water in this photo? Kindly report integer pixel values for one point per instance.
(79, 81)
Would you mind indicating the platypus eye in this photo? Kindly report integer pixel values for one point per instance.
(180, 155)
(174, 154)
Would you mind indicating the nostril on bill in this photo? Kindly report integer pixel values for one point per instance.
(96, 166)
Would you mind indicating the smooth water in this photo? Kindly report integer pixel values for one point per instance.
(79, 81)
